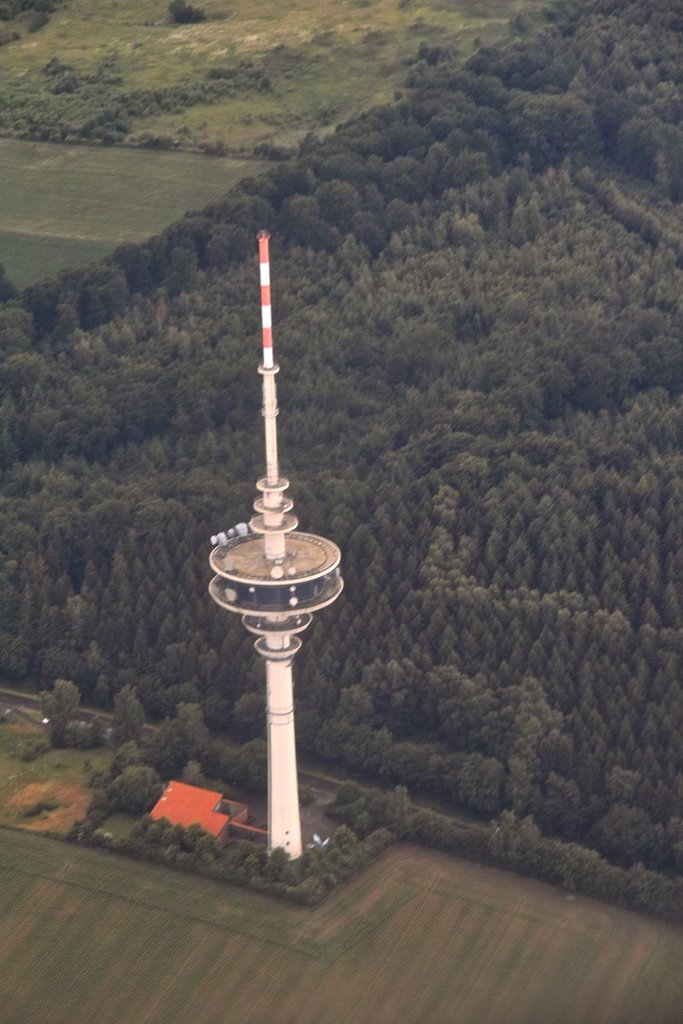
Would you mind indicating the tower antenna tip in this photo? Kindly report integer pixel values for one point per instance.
(266, 315)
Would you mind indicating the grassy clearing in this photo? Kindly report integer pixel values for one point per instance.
(67, 206)
(48, 793)
(29, 258)
(420, 937)
(119, 825)
(326, 60)
(64, 206)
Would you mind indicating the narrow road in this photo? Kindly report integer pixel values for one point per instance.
(20, 704)
(18, 707)
(325, 785)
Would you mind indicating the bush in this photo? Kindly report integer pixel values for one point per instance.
(136, 789)
(347, 793)
(184, 14)
(41, 805)
(33, 747)
(306, 796)
(37, 20)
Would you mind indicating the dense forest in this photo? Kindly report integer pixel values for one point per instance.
(478, 300)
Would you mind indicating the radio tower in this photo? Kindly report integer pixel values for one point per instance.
(275, 577)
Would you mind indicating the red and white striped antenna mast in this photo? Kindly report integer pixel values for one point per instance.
(266, 312)
(273, 505)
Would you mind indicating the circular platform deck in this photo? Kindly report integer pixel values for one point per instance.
(306, 558)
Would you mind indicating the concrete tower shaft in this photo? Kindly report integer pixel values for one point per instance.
(275, 577)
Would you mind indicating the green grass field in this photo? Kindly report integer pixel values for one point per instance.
(65, 206)
(420, 938)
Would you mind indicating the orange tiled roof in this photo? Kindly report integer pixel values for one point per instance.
(189, 805)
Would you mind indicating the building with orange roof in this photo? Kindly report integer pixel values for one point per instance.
(191, 805)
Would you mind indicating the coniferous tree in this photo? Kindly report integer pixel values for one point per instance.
(128, 719)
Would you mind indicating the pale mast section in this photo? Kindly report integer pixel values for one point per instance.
(275, 577)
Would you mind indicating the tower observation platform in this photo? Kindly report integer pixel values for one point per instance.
(275, 577)
(305, 579)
